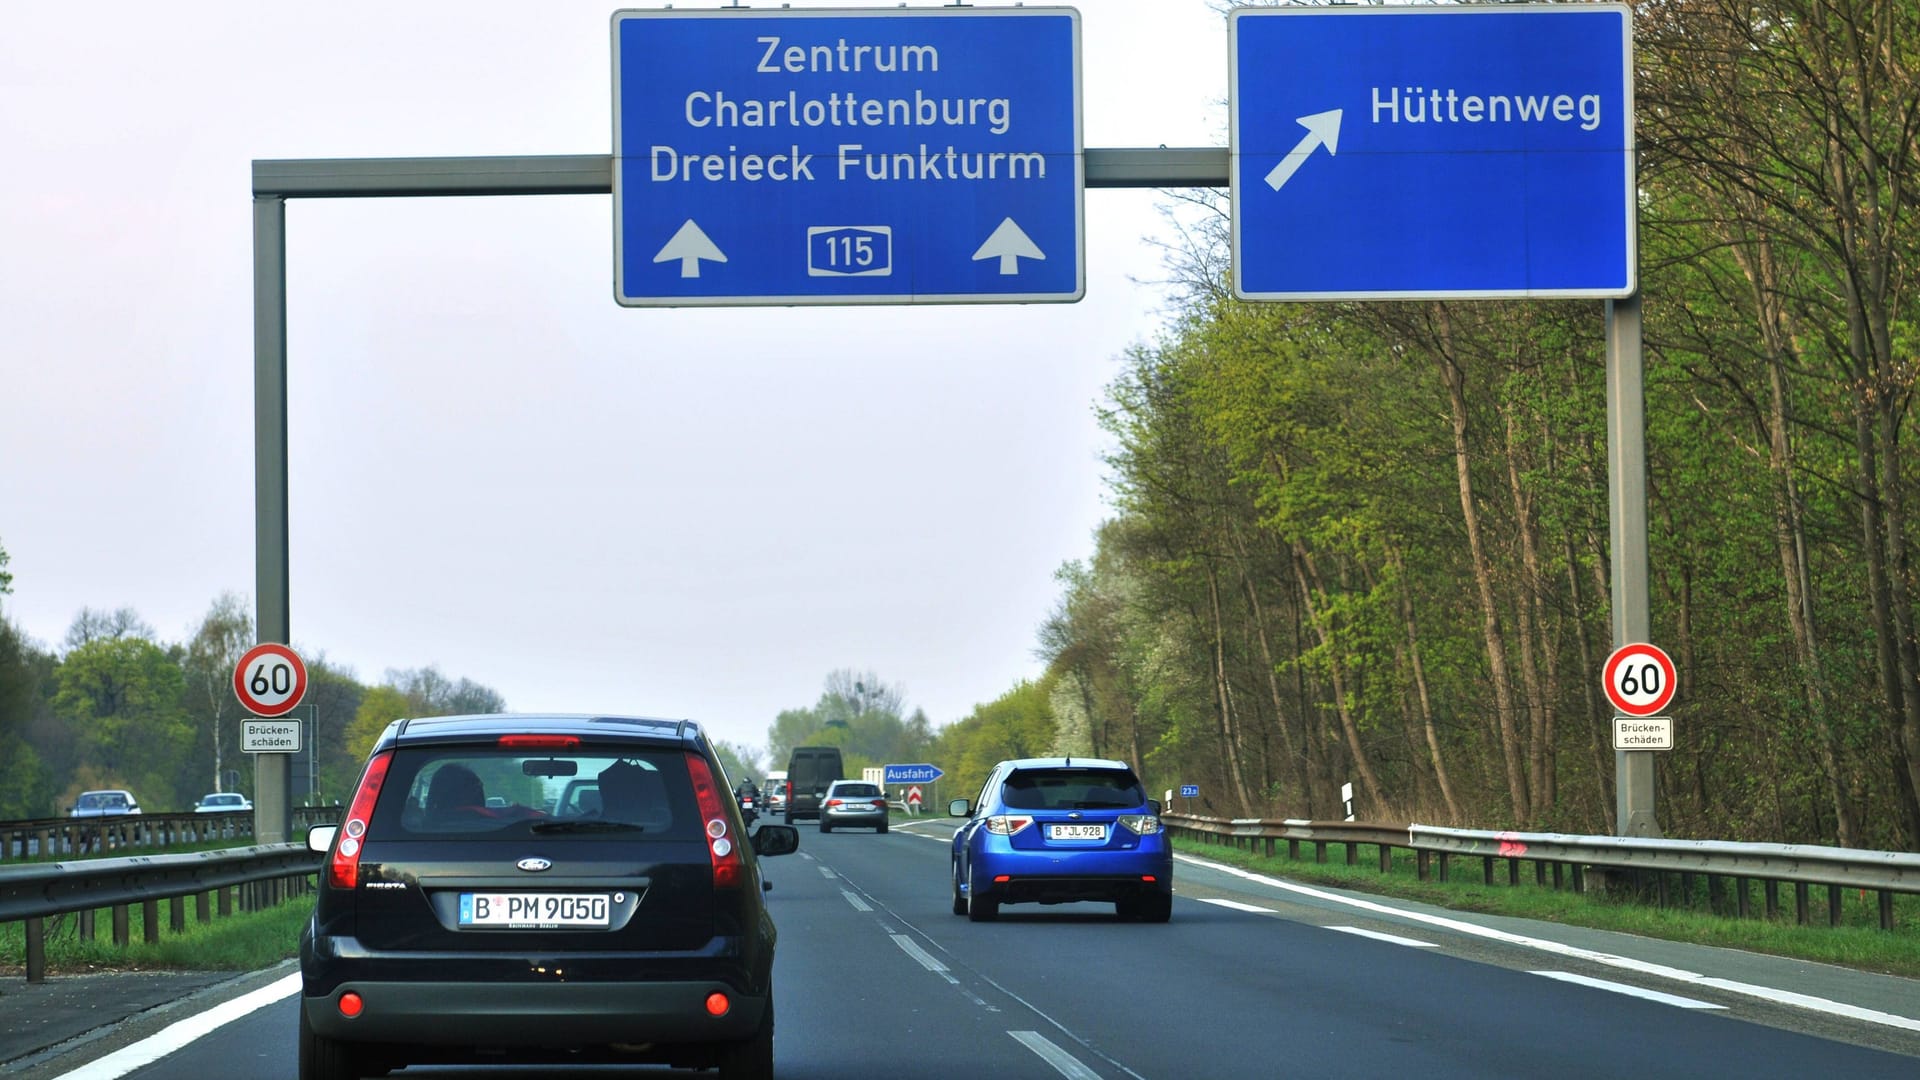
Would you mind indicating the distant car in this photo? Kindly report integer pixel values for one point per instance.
(776, 791)
(853, 802)
(626, 926)
(222, 802)
(1060, 830)
(105, 804)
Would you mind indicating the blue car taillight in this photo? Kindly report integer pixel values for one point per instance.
(1007, 824)
(1140, 824)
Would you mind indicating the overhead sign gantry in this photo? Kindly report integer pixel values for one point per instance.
(890, 156)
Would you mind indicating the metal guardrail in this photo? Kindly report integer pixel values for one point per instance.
(46, 837)
(263, 875)
(1589, 861)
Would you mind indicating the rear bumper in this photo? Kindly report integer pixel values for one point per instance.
(854, 817)
(514, 1016)
(1051, 876)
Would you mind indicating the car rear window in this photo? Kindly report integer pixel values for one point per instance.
(857, 790)
(102, 800)
(444, 792)
(1073, 789)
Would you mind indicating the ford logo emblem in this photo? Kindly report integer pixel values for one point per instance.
(534, 865)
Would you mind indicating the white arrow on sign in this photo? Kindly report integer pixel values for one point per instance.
(1008, 244)
(689, 245)
(1323, 129)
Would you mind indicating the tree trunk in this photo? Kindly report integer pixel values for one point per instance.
(1498, 668)
(1310, 587)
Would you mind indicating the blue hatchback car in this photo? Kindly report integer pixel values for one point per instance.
(1061, 830)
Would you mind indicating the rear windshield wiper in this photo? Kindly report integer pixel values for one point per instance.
(584, 826)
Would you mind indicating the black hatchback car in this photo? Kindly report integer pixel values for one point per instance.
(540, 889)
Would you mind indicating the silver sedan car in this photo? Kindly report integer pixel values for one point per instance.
(853, 802)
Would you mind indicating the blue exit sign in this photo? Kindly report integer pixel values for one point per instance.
(1473, 151)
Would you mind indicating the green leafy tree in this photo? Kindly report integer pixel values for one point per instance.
(223, 636)
(379, 706)
(23, 776)
(125, 699)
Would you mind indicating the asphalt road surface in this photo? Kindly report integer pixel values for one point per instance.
(1254, 977)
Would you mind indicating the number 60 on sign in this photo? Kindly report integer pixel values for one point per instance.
(1639, 679)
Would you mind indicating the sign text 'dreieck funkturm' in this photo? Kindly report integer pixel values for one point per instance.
(847, 157)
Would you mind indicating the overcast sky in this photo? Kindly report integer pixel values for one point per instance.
(496, 470)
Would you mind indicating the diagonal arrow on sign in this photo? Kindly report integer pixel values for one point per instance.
(1323, 129)
(690, 245)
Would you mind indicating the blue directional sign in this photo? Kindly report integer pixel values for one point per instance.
(1387, 153)
(1189, 791)
(891, 156)
(910, 774)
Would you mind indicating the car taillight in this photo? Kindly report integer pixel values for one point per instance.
(1008, 824)
(728, 866)
(344, 871)
(1140, 824)
(881, 803)
(833, 802)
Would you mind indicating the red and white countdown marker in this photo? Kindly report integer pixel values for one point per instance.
(270, 679)
(1639, 679)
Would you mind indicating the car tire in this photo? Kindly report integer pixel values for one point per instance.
(321, 1058)
(824, 827)
(880, 827)
(959, 899)
(1156, 907)
(981, 908)
(750, 1058)
(789, 817)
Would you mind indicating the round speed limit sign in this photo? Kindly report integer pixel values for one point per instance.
(1639, 679)
(270, 679)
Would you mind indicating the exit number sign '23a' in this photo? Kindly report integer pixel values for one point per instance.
(847, 157)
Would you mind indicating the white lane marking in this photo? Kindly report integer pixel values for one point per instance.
(911, 948)
(826, 871)
(1378, 936)
(858, 904)
(1234, 904)
(1066, 1064)
(173, 1037)
(1635, 991)
(1660, 971)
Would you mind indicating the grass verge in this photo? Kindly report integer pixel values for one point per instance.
(243, 941)
(1857, 942)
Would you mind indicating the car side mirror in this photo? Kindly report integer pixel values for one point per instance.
(320, 837)
(1157, 810)
(775, 840)
(959, 808)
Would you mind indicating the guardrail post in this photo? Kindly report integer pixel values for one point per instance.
(1539, 873)
(200, 908)
(36, 950)
(1269, 847)
(1513, 873)
(1486, 870)
(1446, 865)
(1293, 849)
(83, 925)
(1422, 864)
(1834, 899)
(1662, 889)
(1353, 853)
(1744, 903)
(177, 915)
(120, 933)
(1886, 910)
(1386, 858)
(150, 921)
(1800, 902)
(1319, 851)
(1773, 899)
(224, 894)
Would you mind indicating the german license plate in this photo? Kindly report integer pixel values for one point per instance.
(1076, 832)
(533, 909)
